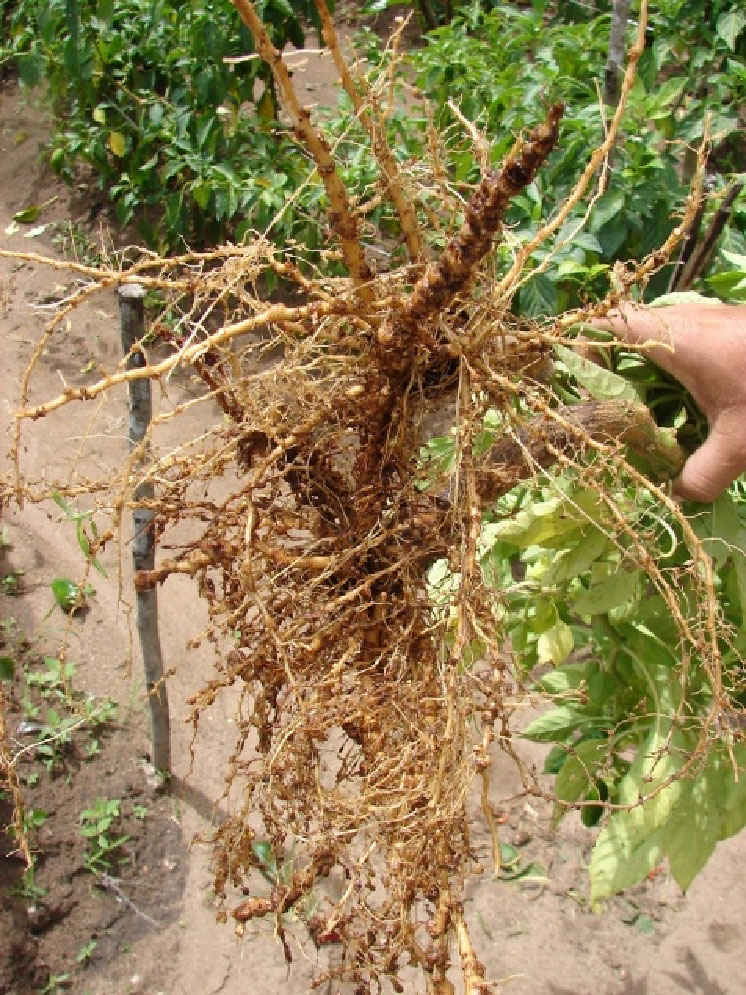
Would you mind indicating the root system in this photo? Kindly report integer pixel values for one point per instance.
(370, 694)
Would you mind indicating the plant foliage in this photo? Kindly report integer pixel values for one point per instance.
(159, 99)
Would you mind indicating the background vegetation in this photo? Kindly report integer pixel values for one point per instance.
(190, 147)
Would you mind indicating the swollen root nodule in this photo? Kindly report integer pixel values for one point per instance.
(483, 216)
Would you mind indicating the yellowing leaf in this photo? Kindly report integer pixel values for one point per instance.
(623, 855)
(266, 107)
(555, 645)
(680, 297)
(117, 143)
(99, 115)
(543, 521)
(27, 215)
(601, 384)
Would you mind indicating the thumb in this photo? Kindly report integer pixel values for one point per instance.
(715, 465)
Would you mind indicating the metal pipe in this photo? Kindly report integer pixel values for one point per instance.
(132, 324)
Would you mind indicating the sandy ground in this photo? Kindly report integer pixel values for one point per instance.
(540, 939)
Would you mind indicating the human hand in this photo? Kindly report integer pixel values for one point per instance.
(704, 347)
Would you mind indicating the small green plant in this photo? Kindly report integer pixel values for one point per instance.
(92, 748)
(54, 738)
(84, 522)
(33, 819)
(86, 952)
(10, 582)
(54, 713)
(54, 680)
(95, 826)
(55, 983)
(140, 812)
(99, 713)
(27, 887)
(74, 241)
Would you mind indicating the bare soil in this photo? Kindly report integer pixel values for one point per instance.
(155, 930)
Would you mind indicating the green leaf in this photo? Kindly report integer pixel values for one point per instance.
(31, 68)
(66, 593)
(738, 260)
(600, 383)
(730, 286)
(555, 644)
(611, 593)
(730, 25)
(720, 529)
(555, 759)
(538, 297)
(201, 193)
(266, 108)
(578, 772)
(509, 856)
(262, 850)
(694, 832)
(28, 215)
(680, 297)
(572, 562)
(544, 616)
(105, 11)
(584, 240)
(7, 668)
(542, 521)
(563, 679)
(607, 207)
(636, 840)
(622, 856)
(554, 725)
(533, 872)
(667, 94)
(590, 815)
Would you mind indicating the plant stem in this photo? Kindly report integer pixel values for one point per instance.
(341, 217)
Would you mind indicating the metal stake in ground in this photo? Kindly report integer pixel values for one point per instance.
(132, 320)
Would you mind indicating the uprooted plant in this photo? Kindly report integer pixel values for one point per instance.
(356, 597)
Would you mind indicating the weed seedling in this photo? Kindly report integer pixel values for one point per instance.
(55, 983)
(54, 680)
(11, 582)
(27, 887)
(95, 824)
(86, 952)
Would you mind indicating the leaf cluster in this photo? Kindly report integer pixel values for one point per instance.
(497, 62)
(626, 721)
(169, 108)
